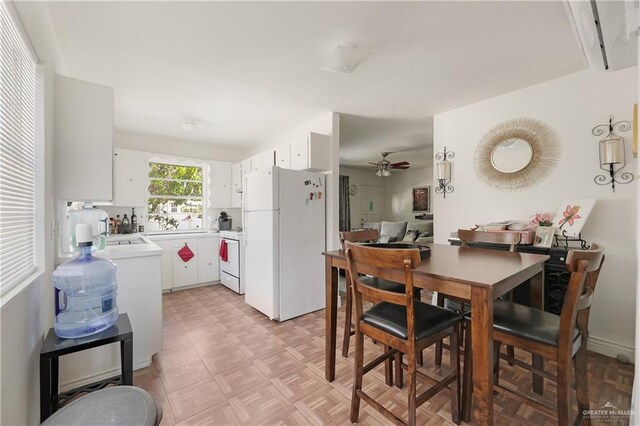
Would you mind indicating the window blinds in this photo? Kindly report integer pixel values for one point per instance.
(17, 154)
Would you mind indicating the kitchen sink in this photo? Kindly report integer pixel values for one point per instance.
(123, 240)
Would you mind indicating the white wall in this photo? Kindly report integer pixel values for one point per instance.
(398, 190)
(358, 178)
(572, 105)
(178, 147)
(326, 124)
(25, 318)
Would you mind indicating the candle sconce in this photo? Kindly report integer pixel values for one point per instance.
(612, 153)
(443, 169)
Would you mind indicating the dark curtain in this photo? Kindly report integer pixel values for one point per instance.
(345, 206)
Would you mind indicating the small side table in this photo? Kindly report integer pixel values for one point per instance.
(54, 347)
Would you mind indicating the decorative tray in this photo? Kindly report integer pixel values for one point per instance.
(425, 251)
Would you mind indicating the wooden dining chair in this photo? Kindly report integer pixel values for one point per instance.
(560, 338)
(400, 322)
(365, 236)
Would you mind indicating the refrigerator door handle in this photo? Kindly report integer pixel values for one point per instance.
(245, 229)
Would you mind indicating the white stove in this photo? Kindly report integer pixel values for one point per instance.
(232, 268)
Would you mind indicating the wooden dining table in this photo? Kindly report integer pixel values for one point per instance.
(474, 274)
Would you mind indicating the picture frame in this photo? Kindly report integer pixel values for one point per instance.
(572, 216)
(421, 199)
(544, 236)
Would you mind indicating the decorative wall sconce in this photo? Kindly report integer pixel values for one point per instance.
(612, 153)
(443, 170)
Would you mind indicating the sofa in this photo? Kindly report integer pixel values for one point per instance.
(419, 230)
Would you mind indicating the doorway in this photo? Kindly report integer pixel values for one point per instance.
(371, 204)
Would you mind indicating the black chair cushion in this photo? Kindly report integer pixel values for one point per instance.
(383, 284)
(529, 323)
(392, 319)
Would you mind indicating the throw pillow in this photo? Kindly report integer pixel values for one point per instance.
(410, 236)
(383, 239)
(423, 237)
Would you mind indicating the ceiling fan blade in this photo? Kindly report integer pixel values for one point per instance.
(375, 164)
(400, 163)
(399, 167)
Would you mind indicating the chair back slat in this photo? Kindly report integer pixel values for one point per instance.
(510, 238)
(584, 301)
(383, 258)
(359, 257)
(584, 266)
(375, 294)
(364, 236)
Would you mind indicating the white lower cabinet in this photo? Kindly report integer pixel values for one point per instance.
(208, 263)
(202, 268)
(184, 273)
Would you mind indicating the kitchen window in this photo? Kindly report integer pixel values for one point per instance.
(175, 197)
(21, 159)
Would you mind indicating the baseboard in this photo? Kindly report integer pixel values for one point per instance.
(64, 387)
(610, 349)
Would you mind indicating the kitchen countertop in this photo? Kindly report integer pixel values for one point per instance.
(121, 251)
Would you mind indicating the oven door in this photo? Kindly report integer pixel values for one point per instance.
(232, 265)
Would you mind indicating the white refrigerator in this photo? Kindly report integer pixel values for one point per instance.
(284, 236)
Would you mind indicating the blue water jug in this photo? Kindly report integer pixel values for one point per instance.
(85, 290)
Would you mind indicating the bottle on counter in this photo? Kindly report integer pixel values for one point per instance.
(112, 225)
(126, 225)
(118, 224)
(134, 221)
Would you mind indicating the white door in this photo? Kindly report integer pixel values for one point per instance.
(300, 153)
(283, 155)
(371, 203)
(208, 264)
(261, 192)
(261, 259)
(131, 177)
(220, 185)
(236, 184)
(256, 163)
(302, 241)
(185, 273)
(268, 158)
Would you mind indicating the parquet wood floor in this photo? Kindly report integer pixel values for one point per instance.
(225, 363)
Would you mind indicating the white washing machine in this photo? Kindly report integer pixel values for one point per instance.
(232, 270)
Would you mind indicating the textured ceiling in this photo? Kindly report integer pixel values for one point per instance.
(251, 71)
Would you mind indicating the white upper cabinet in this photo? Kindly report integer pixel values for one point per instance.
(268, 158)
(311, 153)
(220, 190)
(83, 140)
(256, 162)
(131, 177)
(245, 167)
(283, 156)
(236, 184)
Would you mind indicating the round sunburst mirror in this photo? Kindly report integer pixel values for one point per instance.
(517, 154)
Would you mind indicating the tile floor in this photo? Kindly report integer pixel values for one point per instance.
(225, 363)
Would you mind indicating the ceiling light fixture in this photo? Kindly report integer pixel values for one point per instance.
(189, 125)
(345, 58)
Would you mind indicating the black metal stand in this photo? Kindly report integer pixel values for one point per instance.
(54, 347)
(564, 240)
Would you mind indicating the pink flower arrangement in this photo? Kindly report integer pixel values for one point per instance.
(542, 219)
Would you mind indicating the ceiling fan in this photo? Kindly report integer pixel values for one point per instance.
(384, 166)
